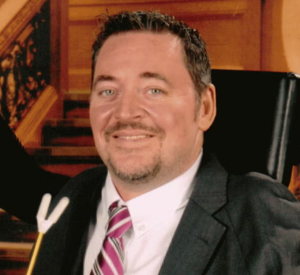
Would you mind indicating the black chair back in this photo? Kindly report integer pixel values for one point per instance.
(257, 127)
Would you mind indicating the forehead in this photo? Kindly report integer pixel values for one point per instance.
(141, 47)
(162, 40)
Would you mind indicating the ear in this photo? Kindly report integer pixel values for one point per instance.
(207, 111)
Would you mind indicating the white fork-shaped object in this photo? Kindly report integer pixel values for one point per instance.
(45, 224)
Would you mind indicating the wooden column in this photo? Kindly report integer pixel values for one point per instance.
(59, 53)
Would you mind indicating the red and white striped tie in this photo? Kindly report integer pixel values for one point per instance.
(111, 257)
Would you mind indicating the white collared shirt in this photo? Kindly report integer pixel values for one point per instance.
(155, 216)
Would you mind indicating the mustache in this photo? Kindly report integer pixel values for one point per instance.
(133, 125)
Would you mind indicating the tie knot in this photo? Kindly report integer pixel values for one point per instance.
(119, 221)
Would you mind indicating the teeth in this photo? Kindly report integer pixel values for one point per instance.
(133, 137)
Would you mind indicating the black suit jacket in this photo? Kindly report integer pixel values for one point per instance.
(232, 224)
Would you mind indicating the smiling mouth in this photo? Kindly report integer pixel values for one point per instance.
(135, 131)
(135, 137)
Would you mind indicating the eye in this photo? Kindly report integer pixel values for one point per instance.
(107, 93)
(155, 91)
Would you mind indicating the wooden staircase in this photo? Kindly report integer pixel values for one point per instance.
(67, 144)
(67, 148)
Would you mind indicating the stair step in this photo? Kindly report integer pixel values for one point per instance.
(68, 123)
(67, 132)
(61, 155)
(15, 251)
(76, 105)
(14, 258)
(65, 160)
(68, 169)
(68, 152)
(13, 266)
(81, 140)
(78, 110)
(83, 96)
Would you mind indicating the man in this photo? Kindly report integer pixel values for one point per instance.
(151, 103)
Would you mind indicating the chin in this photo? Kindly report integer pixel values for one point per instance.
(134, 171)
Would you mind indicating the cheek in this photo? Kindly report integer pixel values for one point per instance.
(179, 124)
(92, 114)
(98, 123)
(94, 120)
(99, 115)
(175, 123)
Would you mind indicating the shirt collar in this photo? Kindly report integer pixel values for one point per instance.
(150, 208)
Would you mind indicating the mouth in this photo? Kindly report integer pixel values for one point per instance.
(132, 137)
(133, 132)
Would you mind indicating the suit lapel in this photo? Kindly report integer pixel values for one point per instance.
(199, 233)
(95, 197)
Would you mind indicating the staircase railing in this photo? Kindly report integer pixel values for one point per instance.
(25, 93)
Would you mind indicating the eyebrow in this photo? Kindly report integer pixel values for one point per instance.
(156, 76)
(101, 78)
(147, 75)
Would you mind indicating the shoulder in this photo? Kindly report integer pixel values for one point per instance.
(261, 205)
(256, 196)
(265, 220)
(257, 186)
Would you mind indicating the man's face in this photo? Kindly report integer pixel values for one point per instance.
(143, 109)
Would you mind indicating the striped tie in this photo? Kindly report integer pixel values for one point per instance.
(111, 257)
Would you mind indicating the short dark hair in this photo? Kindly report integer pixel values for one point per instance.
(195, 54)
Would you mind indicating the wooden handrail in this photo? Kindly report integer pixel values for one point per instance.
(25, 93)
(36, 115)
(14, 15)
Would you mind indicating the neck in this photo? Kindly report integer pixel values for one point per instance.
(131, 190)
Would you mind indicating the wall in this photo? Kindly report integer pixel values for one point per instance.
(231, 29)
(280, 40)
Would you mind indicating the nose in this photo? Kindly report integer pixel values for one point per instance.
(129, 106)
